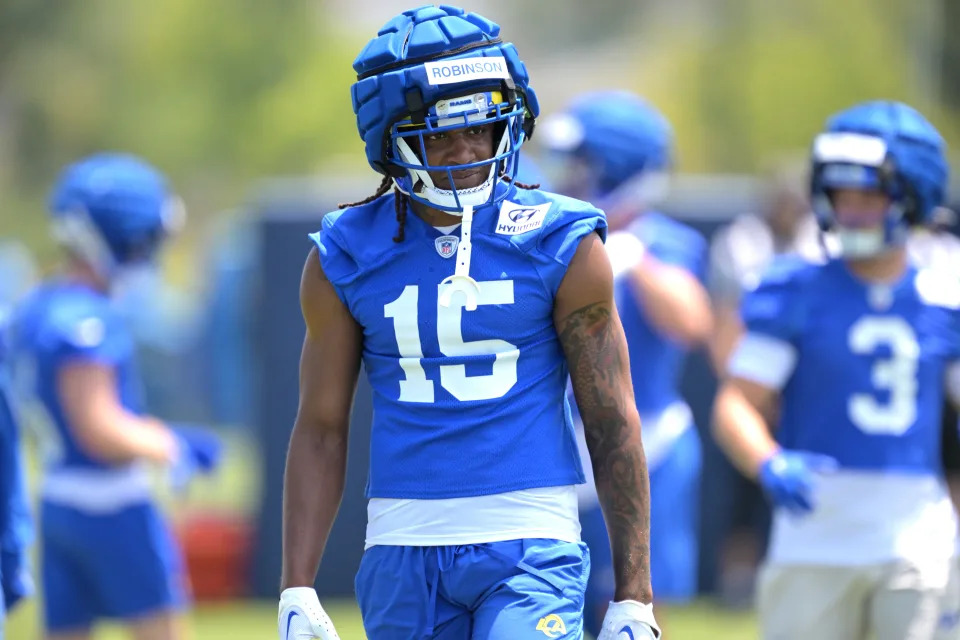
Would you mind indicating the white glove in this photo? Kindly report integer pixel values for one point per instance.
(629, 620)
(302, 618)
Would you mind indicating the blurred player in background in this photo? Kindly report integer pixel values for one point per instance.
(16, 530)
(615, 150)
(742, 250)
(739, 253)
(469, 298)
(856, 353)
(106, 550)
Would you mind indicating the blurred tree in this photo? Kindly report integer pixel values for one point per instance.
(950, 54)
(776, 70)
(222, 92)
(215, 93)
(760, 76)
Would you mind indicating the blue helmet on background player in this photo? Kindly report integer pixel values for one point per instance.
(610, 141)
(434, 69)
(113, 210)
(879, 146)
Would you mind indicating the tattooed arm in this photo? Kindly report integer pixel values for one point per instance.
(596, 351)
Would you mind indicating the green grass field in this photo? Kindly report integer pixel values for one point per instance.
(234, 489)
(256, 620)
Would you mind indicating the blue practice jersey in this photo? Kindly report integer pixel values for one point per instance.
(867, 386)
(61, 323)
(466, 403)
(656, 361)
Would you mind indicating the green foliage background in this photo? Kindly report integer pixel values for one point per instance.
(223, 92)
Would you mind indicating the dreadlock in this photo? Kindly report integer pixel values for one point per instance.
(382, 189)
(400, 204)
(400, 201)
(519, 185)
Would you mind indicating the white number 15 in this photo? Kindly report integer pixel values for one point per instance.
(415, 387)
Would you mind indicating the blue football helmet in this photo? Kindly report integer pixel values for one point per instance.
(113, 210)
(884, 146)
(434, 69)
(617, 135)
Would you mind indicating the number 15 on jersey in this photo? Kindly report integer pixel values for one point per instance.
(415, 387)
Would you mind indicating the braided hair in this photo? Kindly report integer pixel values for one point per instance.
(401, 201)
(519, 185)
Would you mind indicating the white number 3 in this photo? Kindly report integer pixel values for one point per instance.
(896, 374)
(415, 387)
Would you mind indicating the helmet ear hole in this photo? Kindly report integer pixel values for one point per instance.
(911, 209)
(529, 124)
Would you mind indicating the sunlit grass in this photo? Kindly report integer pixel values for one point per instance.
(256, 620)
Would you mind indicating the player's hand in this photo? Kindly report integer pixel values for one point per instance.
(198, 452)
(789, 478)
(629, 620)
(302, 618)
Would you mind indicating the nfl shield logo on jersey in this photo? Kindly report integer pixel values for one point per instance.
(446, 245)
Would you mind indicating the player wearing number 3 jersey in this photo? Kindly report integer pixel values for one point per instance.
(469, 298)
(857, 352)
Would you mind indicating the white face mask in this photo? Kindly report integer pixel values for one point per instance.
(154, 313)
(131, 280)
(471, 197)
(861, 243)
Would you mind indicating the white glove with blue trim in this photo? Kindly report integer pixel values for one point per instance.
(629, 620)
(302, 617)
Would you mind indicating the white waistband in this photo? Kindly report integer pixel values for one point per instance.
(548, 512)
(97, 490)
(863, 518)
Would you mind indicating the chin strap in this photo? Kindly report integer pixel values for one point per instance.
(461, 281)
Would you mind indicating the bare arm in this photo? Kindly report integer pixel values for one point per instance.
(104, 429)
(727, 330)
(673, 300)
(596, 352)
(739, 426)
(317, 457)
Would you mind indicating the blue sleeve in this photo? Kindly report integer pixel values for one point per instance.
(775, 308)
(87, 334)
(559, 238)
(338, 264)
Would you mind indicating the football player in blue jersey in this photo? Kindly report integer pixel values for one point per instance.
(106, 550)
(468, 298)
(615, 150)
(856, 355)
(16, 529)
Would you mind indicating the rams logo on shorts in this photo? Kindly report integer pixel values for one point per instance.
(552, 626)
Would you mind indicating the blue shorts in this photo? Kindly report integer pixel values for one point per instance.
(674, 529)
(514, 590)
(121, 565)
